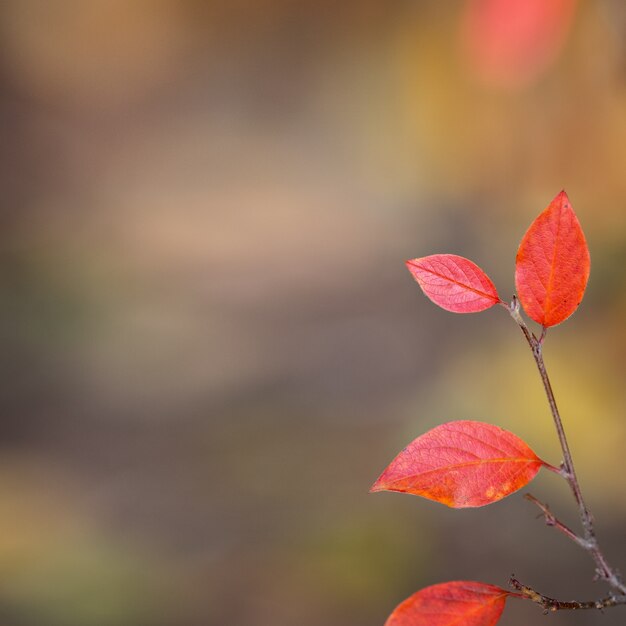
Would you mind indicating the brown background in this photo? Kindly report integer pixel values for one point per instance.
(211, 345)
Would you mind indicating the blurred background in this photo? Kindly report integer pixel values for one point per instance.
(211, 346)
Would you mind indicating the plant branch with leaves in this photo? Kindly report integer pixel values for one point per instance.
(471, 464)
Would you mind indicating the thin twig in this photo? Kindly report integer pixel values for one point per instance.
(603, 569)
(551, 604)
(551, 520)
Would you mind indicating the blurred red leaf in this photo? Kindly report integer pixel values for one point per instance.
(462, 464)
(454, 283)
(552, 264)
(458, 603)
(509, 42)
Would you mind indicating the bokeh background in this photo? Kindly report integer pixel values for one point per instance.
(211, 346)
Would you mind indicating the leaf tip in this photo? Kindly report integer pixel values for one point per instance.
(563, 198)
(378, 486)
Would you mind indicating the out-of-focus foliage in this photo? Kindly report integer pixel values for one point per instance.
(210, 344)
(509, 44)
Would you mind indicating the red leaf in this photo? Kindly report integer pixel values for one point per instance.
(454, 283)
(462, 464)
(508, 43)
(552, 264)
(458, 603)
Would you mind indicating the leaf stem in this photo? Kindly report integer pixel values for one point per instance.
(590, 543)
(551, 604)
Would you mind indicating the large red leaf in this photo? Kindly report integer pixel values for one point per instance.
(458, 603)
(454, 283)
(462, 464)
(552, 264)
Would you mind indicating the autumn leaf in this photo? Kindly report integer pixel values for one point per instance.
(454, 283)
(508, 44)
(457, 603)
(552, 264)
(462, 464)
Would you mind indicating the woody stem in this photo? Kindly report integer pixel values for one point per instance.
(551, 604)
(567, 471)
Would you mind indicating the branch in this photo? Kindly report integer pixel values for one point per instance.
(590, 543)
(551, 520)
(551, 604)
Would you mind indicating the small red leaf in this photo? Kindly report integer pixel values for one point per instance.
(454, 283)
(458, 603)
(462, 464)
(552, 264)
